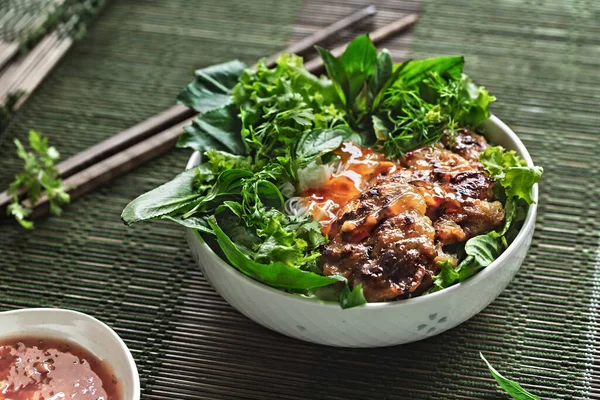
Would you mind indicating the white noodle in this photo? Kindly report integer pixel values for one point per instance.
(294, 206)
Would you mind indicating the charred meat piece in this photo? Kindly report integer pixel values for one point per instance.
(390, 238)
(394, 261)
(389, 196)
(458, 192)
(466, 144)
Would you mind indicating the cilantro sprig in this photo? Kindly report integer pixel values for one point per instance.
(38, 178)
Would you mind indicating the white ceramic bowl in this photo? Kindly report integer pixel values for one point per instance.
(374, 324)
(82, 329)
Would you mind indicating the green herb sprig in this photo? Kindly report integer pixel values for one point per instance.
(39, 178)
(511, 387)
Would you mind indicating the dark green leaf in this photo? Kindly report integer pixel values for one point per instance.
(276, 274)
(417, 70)
(165, 199)
(511, 387)
(483, 248)
(212, 87)
(360, 57)
(336, 72)
(359, 60)
(315, 143)
(382, 74)
(198, 223)
(217, 129)
(380, 127)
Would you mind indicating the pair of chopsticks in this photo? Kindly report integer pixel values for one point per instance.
(132, 147)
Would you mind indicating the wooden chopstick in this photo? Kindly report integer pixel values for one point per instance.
(116, 143)
(321, 35)
(130, 154)
(115, 165)
(316, 65)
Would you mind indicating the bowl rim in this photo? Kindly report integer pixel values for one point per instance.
(108, 331)
(431, 297)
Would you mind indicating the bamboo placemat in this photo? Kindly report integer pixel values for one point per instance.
(540, 58)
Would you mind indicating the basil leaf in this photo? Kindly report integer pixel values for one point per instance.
(351, 71)
(165, 199)
(511, 387)
(481, 251)
(315, 143)
(212, 87)
(352, 298)
(276, 274)
(217, 129)
(359, 60)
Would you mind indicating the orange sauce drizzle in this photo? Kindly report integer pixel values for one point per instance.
(359, 166)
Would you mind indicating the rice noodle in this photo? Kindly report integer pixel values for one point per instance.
(315, 174)
(294, 206)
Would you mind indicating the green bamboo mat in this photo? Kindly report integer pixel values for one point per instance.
(540, 58)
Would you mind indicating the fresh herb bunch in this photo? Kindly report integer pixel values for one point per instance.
(39, 178)
(258, 129)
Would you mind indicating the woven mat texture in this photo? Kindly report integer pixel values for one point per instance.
(541, 58)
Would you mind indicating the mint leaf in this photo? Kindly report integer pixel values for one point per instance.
(511, 387)
(315, 143)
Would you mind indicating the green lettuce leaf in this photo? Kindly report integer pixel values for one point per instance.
(447, 276)
(352, 298)
(276, 274)
(511, 172)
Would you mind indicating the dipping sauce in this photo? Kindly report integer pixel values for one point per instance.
(53, 369)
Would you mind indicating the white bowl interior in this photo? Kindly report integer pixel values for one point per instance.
(82, 329)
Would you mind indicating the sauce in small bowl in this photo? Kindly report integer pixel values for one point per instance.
(55, 354)
(33, 368)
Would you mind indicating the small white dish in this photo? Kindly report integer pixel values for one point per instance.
(373, 324)
(93, 335)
